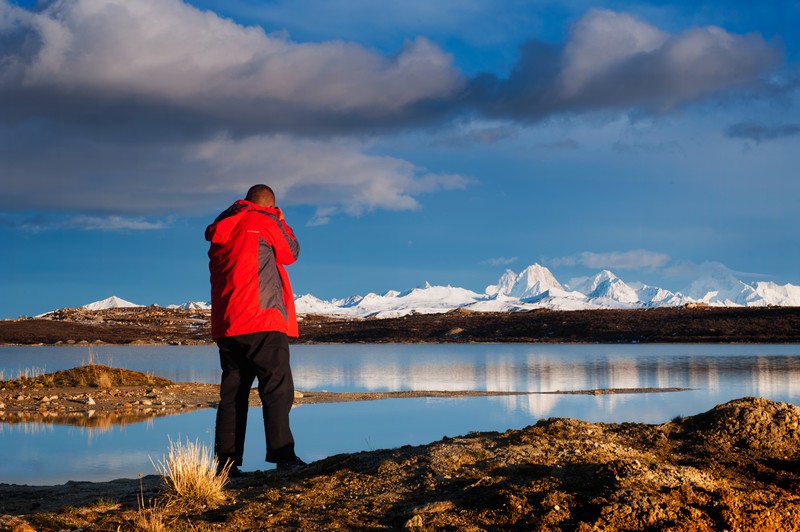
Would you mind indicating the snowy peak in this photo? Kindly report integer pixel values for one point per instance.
(533, 281)
(110, 302)
(774, 294)
(606, 285)
(722, 288)
(589, 284)
(504, 285)
(652, 296)
(427, 300)
(192, 305)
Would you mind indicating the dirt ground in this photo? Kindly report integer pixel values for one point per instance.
(156, 325)
(733, 468)
(736, 467)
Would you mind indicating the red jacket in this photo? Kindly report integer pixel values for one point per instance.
(250, 290)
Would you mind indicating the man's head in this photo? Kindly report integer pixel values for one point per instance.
(261, 195)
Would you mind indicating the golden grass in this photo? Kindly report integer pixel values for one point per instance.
(94, 375)
(151, 518)
(190, 475)
(23, 374)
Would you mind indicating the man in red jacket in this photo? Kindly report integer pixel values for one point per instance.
(252, 318)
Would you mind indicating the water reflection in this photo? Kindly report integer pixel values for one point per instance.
(40, 453)
(762, 368)
(90, 419)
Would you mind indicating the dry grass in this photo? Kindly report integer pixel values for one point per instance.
(95, 375)
(23, 374)
(190, 475)
(151, 518)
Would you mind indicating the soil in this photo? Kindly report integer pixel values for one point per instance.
(732, 468)
(156, 325)
(736, 467)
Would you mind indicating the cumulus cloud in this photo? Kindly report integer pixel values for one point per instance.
(618, 260)
(155, 106)
(39, 223)
(337, 175)
(169, 53)
(759, 132)
(615, 60)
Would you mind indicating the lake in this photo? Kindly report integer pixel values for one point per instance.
(41, 453)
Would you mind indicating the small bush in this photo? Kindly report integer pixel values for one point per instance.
(190, 475)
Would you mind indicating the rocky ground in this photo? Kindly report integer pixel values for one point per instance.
(733, 468)
(148, 325)
(736, 467)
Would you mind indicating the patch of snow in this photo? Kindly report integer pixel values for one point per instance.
(110, 302)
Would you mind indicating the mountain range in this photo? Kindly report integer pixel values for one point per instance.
(535, 287)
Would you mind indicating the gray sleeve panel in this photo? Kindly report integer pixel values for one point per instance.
(270, 289)
(294, 245)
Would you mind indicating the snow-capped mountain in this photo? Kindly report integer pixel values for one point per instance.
(192, 305)
(426, 300)
(533, 281)
(534, 287)
(786, 295)
(110, 302)
(721, 287)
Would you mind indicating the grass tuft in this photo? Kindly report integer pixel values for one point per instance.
(190, 475)
(97, 376)
(23, 374)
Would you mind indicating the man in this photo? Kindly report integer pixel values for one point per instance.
(252, 318)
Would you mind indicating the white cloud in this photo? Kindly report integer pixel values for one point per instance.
(614, 60)
(618, 260)
(618, 53)
(155, 106)
(114, 223)
(40, 223)
(337, 176)
(169, 51)
(602, 40)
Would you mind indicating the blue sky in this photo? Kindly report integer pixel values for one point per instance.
(407, 141)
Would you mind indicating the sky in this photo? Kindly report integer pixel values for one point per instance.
(407, 142)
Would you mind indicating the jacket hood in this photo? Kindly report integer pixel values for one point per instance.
(220, 231)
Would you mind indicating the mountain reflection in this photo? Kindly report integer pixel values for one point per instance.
(534, 371)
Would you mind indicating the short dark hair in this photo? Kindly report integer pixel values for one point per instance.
(260, 195)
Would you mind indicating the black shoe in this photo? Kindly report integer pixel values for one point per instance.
(290, 464)
(235, 472)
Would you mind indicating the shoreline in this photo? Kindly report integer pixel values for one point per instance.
(91, 406)
(669, 325)
(734, 467)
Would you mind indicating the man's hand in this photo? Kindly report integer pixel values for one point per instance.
(280, 213)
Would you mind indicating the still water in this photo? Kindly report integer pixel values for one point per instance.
(40, 453)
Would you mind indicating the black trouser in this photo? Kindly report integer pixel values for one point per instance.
(263, 355)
